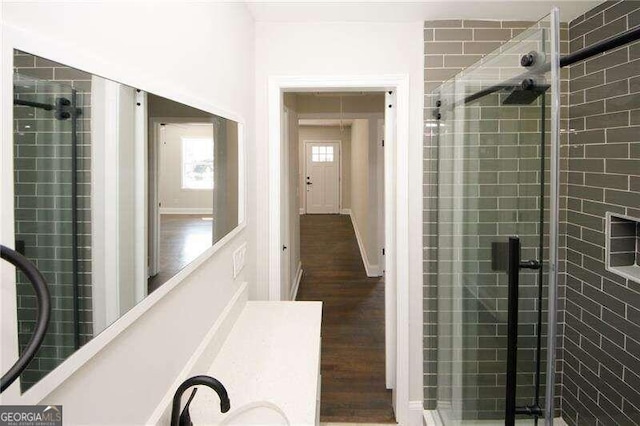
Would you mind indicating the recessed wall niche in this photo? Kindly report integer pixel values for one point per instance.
(623, 246)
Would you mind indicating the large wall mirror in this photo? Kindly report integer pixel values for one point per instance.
(116, 190)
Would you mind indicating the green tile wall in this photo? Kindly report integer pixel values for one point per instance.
(601, 380)
(42, 163)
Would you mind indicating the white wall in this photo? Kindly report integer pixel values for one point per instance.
(316, 49)
(152, 46)
(360, 178)
(364, 187)
(327, 133)
(173, 196)
(340, 102)
(115, 238)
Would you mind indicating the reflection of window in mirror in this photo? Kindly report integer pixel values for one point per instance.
(113, 195)
(197, 163)
(185, 193)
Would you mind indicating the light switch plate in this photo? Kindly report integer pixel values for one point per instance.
(238, 259)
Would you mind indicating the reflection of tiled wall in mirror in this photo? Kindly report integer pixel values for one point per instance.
(42, 158)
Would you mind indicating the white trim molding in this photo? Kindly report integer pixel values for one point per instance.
(397, 238)
(345, 211)
(296, 282)
(185, 210)
(416, 412)
(432, 418)
(372, 270)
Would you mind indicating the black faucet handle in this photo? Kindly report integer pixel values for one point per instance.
(185, 418)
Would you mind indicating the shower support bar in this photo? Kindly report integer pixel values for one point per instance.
(22, 102)
(63, 107)
(621, 39)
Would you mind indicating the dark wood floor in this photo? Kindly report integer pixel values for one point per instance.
(353, 369)
(183, 237)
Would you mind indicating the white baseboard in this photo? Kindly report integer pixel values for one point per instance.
(432, 418)
(416, 410)
(296, 283)
(345, 211)
(301, 210)
(185, 210)
(372, 270)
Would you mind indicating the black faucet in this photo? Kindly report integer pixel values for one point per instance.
(178, 419)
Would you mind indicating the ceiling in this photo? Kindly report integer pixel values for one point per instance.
(400, 11)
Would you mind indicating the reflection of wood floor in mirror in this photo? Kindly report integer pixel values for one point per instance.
(183, 237)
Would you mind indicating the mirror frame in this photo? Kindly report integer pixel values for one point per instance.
(16, 38)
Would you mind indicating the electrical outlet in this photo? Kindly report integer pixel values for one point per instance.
(239, 259)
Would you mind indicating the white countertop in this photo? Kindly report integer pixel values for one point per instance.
(271, 354)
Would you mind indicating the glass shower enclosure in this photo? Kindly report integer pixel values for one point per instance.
(496, 125)
(52, 216)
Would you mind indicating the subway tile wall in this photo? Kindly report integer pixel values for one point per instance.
(42, 162)
(601, 380)
(450, 46)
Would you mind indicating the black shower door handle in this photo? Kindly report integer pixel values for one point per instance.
(514, 264)
(513, 273)
(42, 320)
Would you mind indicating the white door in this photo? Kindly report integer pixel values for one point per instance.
(322, 177)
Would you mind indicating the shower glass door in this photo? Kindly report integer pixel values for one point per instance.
(493, 130)
(52, 216)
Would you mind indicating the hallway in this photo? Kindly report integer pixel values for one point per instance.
(353, 359)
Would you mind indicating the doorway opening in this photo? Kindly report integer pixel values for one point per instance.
(183, 214)
(396, 219)
(333, 242)
(192, 178)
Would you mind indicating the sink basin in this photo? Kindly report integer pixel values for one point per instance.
(263, 413)
(253, 413)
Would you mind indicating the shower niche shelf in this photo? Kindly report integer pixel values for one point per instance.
(623, 246)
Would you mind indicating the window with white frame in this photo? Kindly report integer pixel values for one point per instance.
(197, 163)
(322, 154)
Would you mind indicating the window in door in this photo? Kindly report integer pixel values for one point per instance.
(322, 154)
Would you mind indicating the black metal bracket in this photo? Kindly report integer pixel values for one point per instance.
(65, 109)
(529, 59)
(530, 410)
(62, 107)
(530, 264)
(621, 39)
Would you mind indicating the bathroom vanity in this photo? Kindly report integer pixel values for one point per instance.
(267, 355)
